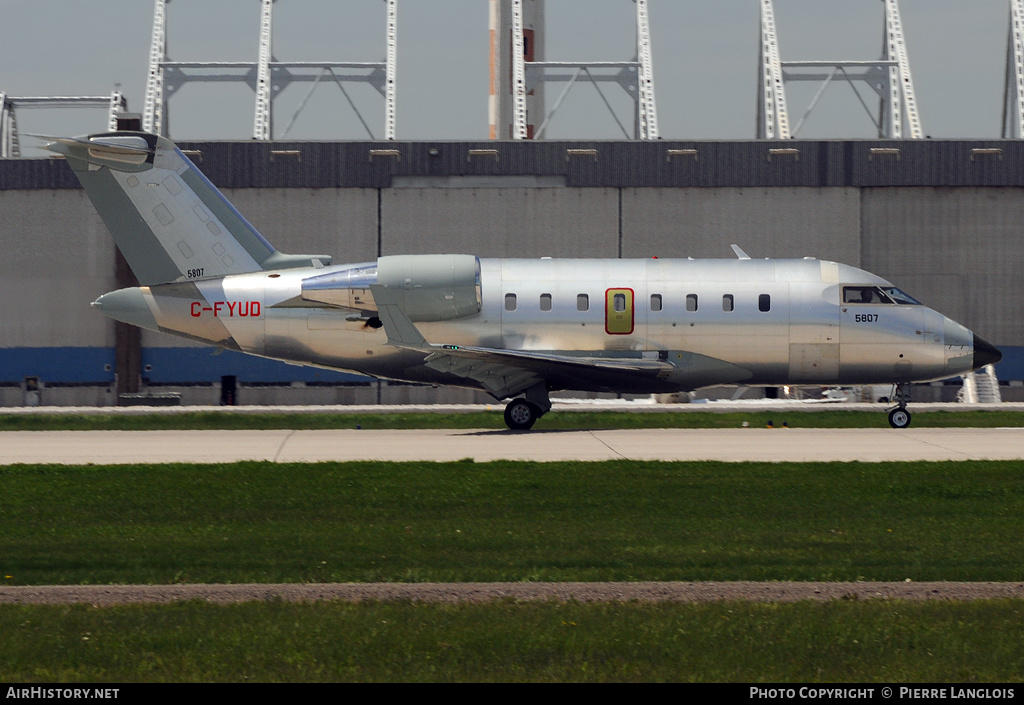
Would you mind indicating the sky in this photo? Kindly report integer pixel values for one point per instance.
(704, 54)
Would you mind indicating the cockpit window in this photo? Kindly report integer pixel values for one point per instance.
(877, 295)
(864, 295)
(901, 297)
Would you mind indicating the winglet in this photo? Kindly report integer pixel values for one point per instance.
(740, 254)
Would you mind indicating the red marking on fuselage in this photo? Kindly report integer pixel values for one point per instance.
(227, 309)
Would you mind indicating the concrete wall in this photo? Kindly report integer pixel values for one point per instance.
(56, 257)
(959, 250)
(501, 222)
(764, 222)
(260, 395)
(337, 222)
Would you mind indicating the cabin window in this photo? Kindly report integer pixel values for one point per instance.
(510, 302)
(545, 302)
(691, 302)
(619, 303)
(764, 303)
(655, 302)
(727, 302)
(582, 302)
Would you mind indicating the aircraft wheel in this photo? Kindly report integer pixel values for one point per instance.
(899, 418)
(520, 415)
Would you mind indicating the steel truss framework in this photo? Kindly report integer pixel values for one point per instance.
(636, 78)
(1013, 94)
(10, 146)
(266, 76)
(889, 77)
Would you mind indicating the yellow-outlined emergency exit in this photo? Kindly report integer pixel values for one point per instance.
(618, 311)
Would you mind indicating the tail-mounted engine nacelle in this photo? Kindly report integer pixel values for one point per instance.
(431, 287)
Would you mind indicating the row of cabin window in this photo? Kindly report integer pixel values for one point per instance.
(764, 302)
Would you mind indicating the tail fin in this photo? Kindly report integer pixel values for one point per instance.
(169, 221)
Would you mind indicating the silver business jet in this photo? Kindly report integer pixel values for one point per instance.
(516, 328)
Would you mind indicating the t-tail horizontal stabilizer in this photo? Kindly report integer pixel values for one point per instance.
(168, 220)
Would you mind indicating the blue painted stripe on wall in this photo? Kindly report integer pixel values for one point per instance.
(65, 365)
(1012, 364)
(68, 365)
(189, 365)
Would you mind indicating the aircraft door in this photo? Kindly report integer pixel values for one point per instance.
(814, 334)
(619, 316)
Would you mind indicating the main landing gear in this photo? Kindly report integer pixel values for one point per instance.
(522, 412)
(900, 417)
(520, 415)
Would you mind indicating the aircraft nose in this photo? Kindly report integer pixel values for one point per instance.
(985, 353)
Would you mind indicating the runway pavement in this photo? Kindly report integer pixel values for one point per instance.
(780, 444)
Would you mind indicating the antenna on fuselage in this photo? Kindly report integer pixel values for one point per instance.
(740, 254)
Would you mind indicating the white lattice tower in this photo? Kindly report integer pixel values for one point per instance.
(648, 114)
(8, 129)
(10, 147)
(1013, 94)
(390, 84)
(773, 118)
(988, 386)
(153, 119)
(263, 122)
(889, 78)
(636, 77)
(118, 104)
(518, 73)
(901, 85)
(266, 76)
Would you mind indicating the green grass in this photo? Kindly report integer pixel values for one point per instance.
(622, 520)
(817, 417)
(839, 642)
(511, 521)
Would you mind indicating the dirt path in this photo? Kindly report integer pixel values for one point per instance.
(482, 592)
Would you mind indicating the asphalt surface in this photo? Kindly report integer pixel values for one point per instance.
(731, 445)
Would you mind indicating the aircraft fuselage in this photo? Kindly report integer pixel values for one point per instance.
(767, 322)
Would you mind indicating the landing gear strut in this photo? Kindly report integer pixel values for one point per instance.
(522, 412)
(900, 417)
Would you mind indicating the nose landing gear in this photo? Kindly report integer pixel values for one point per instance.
(900, 417)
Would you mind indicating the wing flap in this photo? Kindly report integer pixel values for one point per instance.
(498, 377)
(506, 373)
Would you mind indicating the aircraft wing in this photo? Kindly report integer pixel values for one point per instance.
(505, 373)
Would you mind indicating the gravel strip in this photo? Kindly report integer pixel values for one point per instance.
(484, 592)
